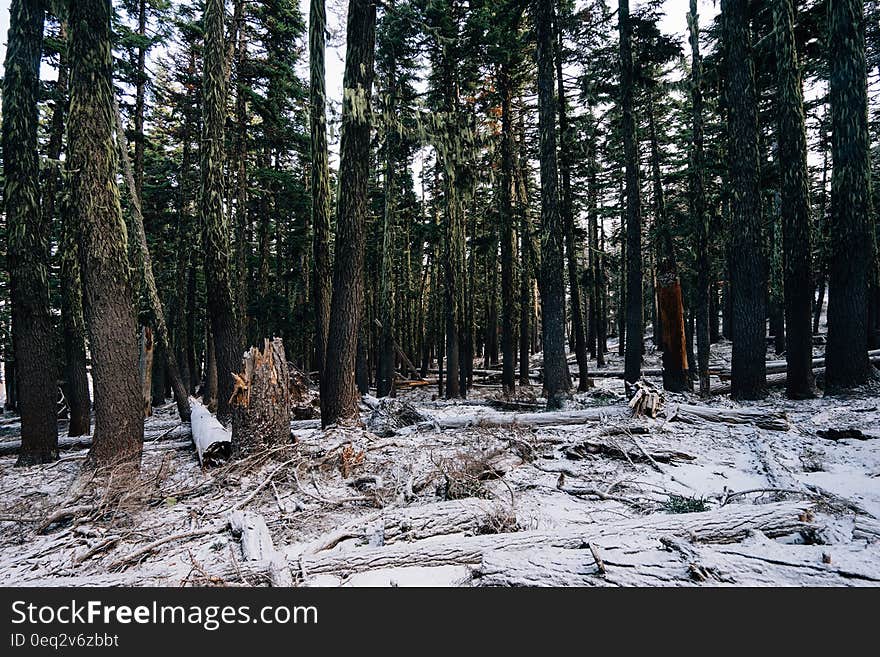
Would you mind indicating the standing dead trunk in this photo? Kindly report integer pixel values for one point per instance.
(261, 400)
(145, 368)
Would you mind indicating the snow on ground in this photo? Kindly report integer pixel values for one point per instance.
(479, 505)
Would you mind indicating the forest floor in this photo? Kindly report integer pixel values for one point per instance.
(610, 500)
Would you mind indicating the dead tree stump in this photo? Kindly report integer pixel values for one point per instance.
(261, 400)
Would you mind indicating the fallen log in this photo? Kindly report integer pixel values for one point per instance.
(774, 420)
(780, 366)
(724, 525)
(555, 418)
(257, 545)
(614, 450)
(413, 523)
(547, 567)
(213, 441)
(66, 443)
(667, 561)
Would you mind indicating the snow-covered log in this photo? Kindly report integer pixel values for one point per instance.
(547, 567)
(724, 525)
(764, 419)
(471, 515)
(780, 366)
(665, 561)
(213, 441)
(257, 546)
(555, 418)
(165, 440)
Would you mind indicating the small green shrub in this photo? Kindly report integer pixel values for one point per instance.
(681, 504)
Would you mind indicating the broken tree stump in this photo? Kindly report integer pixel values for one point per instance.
(261, 399)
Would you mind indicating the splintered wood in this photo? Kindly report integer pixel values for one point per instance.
(647, 400)
(261, 399)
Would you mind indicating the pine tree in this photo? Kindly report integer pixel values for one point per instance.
(27, 231)
(851, 254)
(566, 146)
(633, 357)
(748, 366)
(320, 181)
(215, 226)
(97, 217)
(556, 379)
(795, 208)
(339, 400)
(697, 204)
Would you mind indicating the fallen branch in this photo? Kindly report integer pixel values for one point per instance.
(149, 547)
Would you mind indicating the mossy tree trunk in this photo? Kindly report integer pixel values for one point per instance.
(28, 237)
(103, 249)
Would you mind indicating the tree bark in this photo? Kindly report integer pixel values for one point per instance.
(97, 216)
(508, 237)
(851, 248)
(215, 225)
(567, 210)
(794, 181)
(386, 361)
(339, 398)
(633, 354)
(74, 372)
(746, 266)
(320, 179)
(261, 400)
(697, 198)
(556, 378)
(28, 238)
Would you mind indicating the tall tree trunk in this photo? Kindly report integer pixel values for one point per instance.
(748, 361)
(241, 168)
(633, 357)
(508, 237)
(851, 251)
(28, 237)
(320, 181)
(670, 306)
(215, 225)
(795, 193)
(571, 248)
(699, 217)
(97, 216)
(526, 311)
(183, 310)
(385, 369)
(556, 378)
(823, 237)
(339, 398)
(76, 384)
(139, 103)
